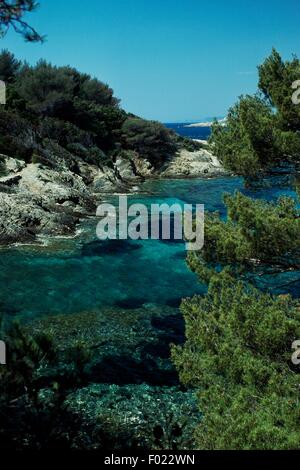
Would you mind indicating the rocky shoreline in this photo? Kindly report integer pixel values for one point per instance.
(36, 199)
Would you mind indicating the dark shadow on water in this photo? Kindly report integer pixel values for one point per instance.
(172, 240)
(9, 310)
(130, 303)
(174, 302)
(180, 255)
(172, 326)
(109, 247)
(124, 370)
(148, 361)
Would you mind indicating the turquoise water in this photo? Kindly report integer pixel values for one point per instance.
(83, 273)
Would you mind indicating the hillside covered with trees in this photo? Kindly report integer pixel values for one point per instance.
(78, 112)
(64, 141)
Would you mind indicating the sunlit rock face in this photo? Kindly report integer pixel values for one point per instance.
(200, 163)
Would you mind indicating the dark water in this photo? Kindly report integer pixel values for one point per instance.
(80, 274)
(201, 133)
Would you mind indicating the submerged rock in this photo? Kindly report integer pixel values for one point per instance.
(127, 345)
(140, 416)
(130, 395)
(109, 247)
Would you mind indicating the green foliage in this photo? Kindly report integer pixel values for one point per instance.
(97, 92)
(275, 81)
(262, 132)
(13, 130)
(238, 356)
(70, 99)
(188, 144)
(103, 122)
(34, 385)
(26, 356)
(150, 139)
(46, 89)
(242, 145)
(64, 133)
(238, 345)
(48, 103)
(9, 66)
(255, 235)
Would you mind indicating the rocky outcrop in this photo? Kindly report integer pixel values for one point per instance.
(23, 216)
(38, 200)
(49, 199)
(56, 187)
(106, 181)
(131, 167)
(185, 164)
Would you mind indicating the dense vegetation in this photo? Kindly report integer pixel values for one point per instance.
(262, 132)
(48, 104)
(239, 338)
(238, 356)
(256, 238)
(24, 417)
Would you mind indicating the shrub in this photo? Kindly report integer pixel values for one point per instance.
(149, 138)
(238, 356)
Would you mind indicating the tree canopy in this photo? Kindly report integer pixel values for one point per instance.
(149, 138)
(262, 131)
(238, 356)
(77, 111)
(256, 238)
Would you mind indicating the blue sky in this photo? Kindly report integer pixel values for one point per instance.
(166, 59)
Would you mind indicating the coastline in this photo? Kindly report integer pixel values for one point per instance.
(37, 201)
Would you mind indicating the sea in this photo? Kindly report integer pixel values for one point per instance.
(183, 129)
(81, 274)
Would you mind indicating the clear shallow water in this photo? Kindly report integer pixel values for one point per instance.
(71, 275)
(81, 274)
